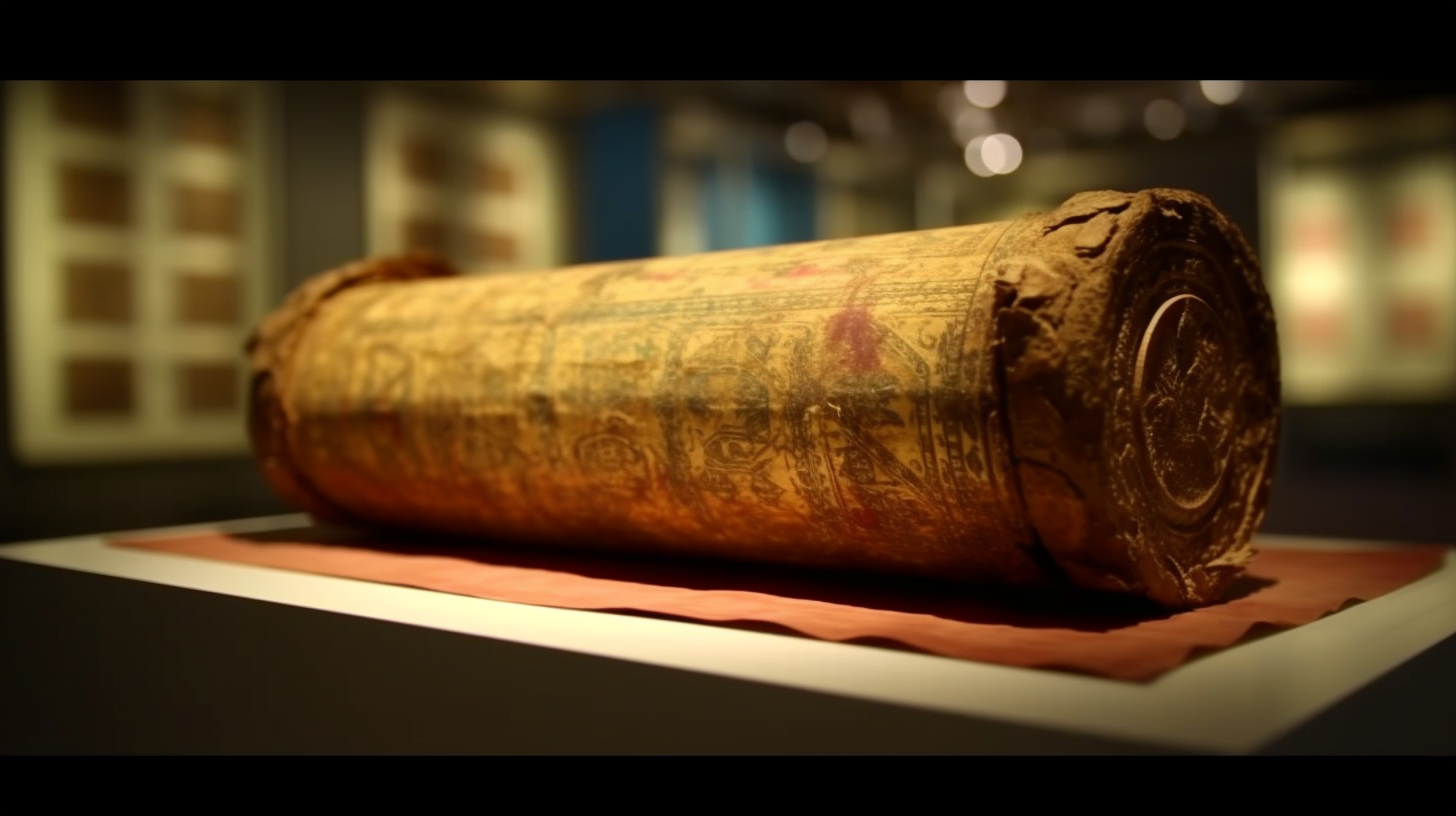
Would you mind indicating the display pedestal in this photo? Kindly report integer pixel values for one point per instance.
(109, 650)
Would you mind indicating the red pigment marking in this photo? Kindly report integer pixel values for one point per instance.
(662, 276)
(854, 333)
(864, 518)
(807, 270)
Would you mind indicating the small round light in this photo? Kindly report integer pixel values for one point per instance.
(974, 161)
(973, 122)
(1164, 119)
(806, 142)
(1222, 91)
(985, 93)
(1001, 153)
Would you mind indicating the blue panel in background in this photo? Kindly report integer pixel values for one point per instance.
(619, 184)
(719, 209)
(780, 205)
(757, 205)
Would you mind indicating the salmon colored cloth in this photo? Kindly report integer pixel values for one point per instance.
(1117, 638)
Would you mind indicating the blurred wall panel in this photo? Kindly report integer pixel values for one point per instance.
(691, 138)
(680, 228)
(755, 202)
(321, 179)
(126, 201)
(1317, 240)
(1361, 255)
(781, 205)
(451, 175)
(725, 203)
(619, 184)
(838, 211)
(730, 181)
(314, 203)
(1415, 324)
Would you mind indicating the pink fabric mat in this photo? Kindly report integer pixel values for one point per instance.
(1114, 638)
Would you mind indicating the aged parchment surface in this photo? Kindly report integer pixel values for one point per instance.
(934, 403)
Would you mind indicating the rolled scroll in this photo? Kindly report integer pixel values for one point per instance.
(1087, 397)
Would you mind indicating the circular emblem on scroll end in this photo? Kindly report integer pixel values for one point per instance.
(1185, 403)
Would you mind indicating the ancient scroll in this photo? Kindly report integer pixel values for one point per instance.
(1086, 396)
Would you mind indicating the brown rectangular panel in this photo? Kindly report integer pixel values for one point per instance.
(208, 387)
(495, 178)
(207, 299)
(495, 246)
(99, 386)
(200, 210)
(95, 195)
(424, 161)
(97, 105)
(205, 118)
(1412, 323)
(98, 291)
(424, 234)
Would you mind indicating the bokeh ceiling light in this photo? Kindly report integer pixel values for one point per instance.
(974, 161)
(1221, 91)
(973, 122)
(1164, 119)
(985, 93)
(806, 142)
(1001, 153)
(993, 155)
